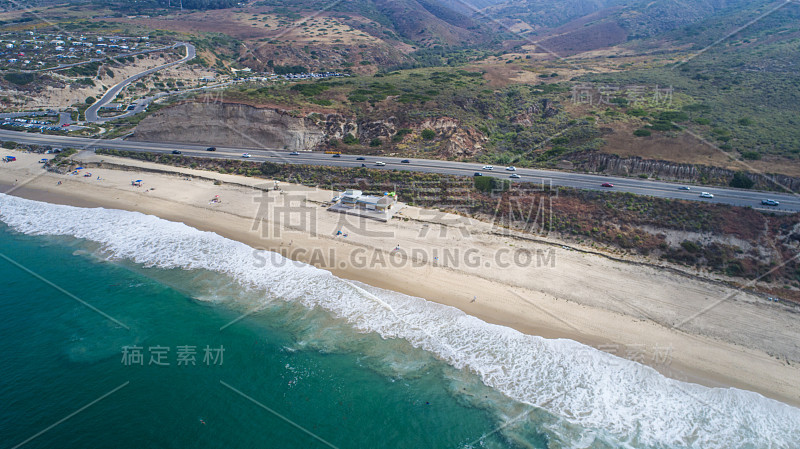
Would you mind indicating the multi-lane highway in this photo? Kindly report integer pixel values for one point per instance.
(737, 197)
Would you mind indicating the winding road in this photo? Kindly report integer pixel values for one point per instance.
(111, 94)
(722, 195)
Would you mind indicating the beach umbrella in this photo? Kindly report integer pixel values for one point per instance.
(138, 180)
(79, 168)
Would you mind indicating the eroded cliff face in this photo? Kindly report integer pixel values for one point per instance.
(245, 126)
(634, 166)
(230, 124)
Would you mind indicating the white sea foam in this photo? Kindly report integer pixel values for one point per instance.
(590, 388)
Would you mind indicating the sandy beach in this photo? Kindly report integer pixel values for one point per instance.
(686, 327)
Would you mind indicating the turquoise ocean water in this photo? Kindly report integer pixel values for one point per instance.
(298, 358)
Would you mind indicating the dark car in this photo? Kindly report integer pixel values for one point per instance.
(211, 149)
(294, 153)
(176, 152)
(361, 158)
(337, 155)
(477, 173)
(405, 161)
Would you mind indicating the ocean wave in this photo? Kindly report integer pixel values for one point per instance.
(586, 387)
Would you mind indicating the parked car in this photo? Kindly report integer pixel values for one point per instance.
(511, 168)
(211, 149)
(176, 152)
(294, 153)
(380, 164)
(769, 202)
(360, 158)
(246, 155)
(477, 173)
(607, 184)
(515, 176)
(706, 195)
(684, 188)
(488, 167)
(405, 161)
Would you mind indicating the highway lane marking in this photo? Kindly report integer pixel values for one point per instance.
(438, 167)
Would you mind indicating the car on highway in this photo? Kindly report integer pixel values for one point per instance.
(294, 153)
(684, 188)
(769, 202)
(337, 155)
(488, 167)
(176, 152)
(706, 195)
(515, 176)
(511, 168)
(607, 184)
(246, 155)
(405, 161)
(211, 149)
(361, 158)
(65, 125)
(380, 164)
(477, 173)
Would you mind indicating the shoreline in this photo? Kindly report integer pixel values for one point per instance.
(609, 323)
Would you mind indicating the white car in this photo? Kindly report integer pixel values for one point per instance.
(380, 164)
(246, 155)
(706, 195)
(515, 176)
(511, 168)
(336, 199)
(488, 167)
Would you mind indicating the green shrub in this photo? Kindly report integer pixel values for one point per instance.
(741, 180)
(641, 132)
(751, 155)
(18, 78)
(375, 142)
(489, 184)
(428, 134)
(402, 132)
(90, 100)
(673, 116)
(349, 139)
(690, 246)
(309, 90)
(661, 125)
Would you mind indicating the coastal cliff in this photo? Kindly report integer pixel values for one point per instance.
(230, 124)
(635, 166)
(246, 126)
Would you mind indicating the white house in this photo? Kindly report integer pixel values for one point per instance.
(351, 196)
